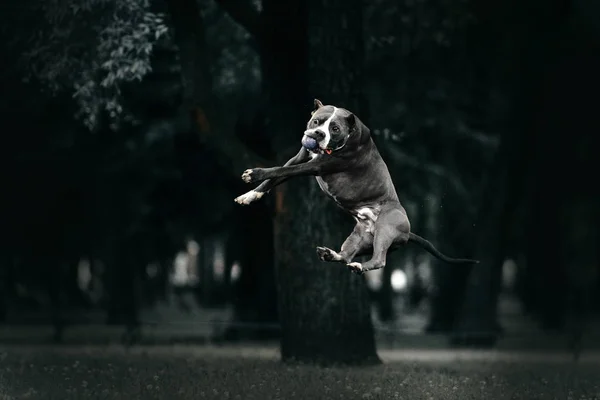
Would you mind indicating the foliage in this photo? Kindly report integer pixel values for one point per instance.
(92, 48)
(426, 45)
(235, 62)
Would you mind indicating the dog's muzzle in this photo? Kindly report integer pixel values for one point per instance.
(311, 141)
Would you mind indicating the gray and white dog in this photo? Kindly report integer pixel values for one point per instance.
(338, 150)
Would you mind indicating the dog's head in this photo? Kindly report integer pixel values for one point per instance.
(331, 129)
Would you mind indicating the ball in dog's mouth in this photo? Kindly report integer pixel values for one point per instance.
(309, 143)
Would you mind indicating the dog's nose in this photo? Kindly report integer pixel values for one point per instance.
(316, 134)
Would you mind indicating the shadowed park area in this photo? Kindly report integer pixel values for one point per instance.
(269, 199)
(256, 373)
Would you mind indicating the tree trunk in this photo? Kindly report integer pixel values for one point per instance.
(565, 241)
(324, 309)
(193, 53)
(200, 107)
(385, 295)
(216, 128)
(122, 275)
(544, 249)
(6, 285)
(254, 295)
(450, 281)
(506, 181)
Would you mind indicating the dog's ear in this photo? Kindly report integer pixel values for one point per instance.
(318, 105)
(351, 122)
(356, 127)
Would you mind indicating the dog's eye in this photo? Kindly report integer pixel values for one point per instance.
(315, 122)
(335, 128)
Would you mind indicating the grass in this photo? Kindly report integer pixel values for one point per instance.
(241, 373)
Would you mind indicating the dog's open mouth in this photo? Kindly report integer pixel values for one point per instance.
(311, 144)
(320, 150)
(326, 151)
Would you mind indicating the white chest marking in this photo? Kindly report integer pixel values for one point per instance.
(325, 128)
(368, 217)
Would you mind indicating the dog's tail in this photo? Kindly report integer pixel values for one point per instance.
(426, 244)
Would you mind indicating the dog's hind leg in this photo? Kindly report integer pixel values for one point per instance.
(392, 227)
(358, 242)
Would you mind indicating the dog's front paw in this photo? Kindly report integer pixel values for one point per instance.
(326, 254)
(249, 197)
(253, 175)
(247, 176)
(356, 267)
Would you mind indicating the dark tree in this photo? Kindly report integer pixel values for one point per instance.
(529, 48)
(310, 50)
(325, 310)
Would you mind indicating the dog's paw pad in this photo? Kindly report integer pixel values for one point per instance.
(249, 197)
(247, 176)
(355, 267)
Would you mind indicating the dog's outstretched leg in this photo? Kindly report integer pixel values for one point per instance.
(318, 166)
(358, 242)
(391, 227)
(250, 196)
(326, 254)
(266, 186)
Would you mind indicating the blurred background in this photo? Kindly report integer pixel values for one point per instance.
(127, 125)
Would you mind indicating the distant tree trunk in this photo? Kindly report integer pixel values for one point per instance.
(450, 281)
(193, 55)
(123, 285)
(199, 102)
(54, 280)
(324, 309)
(504, 189)
(385, 296)
(254, 294)
(6, 285)
(478, 323)
(503, 192)
(565, 244)
(544, 250)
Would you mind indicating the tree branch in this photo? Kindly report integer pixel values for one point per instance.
(245, 14)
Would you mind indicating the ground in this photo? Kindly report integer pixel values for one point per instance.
(242, 372)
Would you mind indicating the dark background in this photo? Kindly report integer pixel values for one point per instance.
(126, 126)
